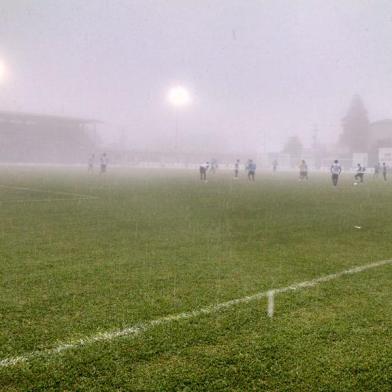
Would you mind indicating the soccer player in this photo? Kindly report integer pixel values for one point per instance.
(360, 173)
(336, 169)
(377, 168)
(214, 165)
(91, 163)
(104, 163)
(236, 168)
(384, 171)
(251, 170)
(203, 171)
(303, 171)
(274, 165)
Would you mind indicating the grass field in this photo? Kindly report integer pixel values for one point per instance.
(157, 243)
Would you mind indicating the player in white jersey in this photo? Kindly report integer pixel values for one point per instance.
(360, 173)
(336, 169)
(203, 171)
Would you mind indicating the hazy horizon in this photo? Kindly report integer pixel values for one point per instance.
(255, 70)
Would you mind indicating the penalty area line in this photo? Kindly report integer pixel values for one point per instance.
(142, 327)
(78, 196)
(21, 201)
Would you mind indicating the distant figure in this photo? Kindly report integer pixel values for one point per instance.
(104, 163)
(203, 171)
(303, 171)
(91, 161)
(360, 173)
(247, 164)
(274, 165)
(236, 168)
(213, 166)
(336, 169)
(377, 168)
(251, 167)
(384, 171)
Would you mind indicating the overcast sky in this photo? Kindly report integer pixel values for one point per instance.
(257, 70)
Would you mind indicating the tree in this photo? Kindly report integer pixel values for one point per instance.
(356, 127)
(293, 146)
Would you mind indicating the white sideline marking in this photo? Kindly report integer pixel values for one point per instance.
(145, 326)
(270, 310)
(18, 188)
(44, 200)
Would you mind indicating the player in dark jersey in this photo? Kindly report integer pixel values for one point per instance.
(384, 171)
(377, 168)
(251, 167)
(91, 161)
(236, 168)
(104, 163)
(303, 171)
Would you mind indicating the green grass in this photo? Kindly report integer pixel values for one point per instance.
(156, 243)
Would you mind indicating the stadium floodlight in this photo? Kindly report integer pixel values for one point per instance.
(179, 96)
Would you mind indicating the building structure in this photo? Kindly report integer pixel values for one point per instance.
(41, 138)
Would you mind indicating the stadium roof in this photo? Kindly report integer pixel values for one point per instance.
(387, 121)
(33, 117)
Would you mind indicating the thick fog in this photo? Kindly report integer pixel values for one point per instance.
(257, 72)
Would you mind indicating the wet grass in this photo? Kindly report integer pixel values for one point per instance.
(156, 243)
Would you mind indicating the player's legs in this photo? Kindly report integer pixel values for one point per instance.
(204, 175)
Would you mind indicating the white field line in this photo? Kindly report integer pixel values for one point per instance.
(44, 200)
(270, 309)
(78, 195)
(138, 329)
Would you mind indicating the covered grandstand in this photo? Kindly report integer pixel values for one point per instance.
(41, 138)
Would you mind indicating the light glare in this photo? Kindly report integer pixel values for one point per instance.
(2, 71)
(179, 96)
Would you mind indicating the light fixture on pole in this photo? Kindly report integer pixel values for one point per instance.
(178, 97)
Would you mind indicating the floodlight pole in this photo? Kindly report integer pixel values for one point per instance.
(176, 130)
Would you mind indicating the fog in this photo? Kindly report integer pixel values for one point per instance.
(257, 72)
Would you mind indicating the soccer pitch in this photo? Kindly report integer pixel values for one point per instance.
(128, 282)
